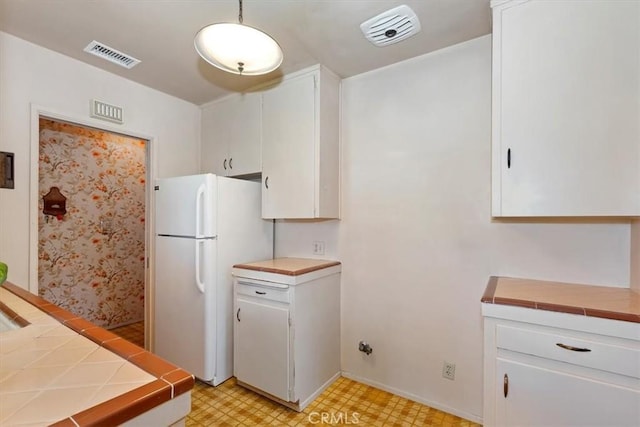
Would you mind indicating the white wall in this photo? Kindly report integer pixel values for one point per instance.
(32, 74)
(416, 237)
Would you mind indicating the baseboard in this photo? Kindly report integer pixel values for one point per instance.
(319, 391)
(415, 398)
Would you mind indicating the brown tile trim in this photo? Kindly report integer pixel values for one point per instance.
(180, 380)
(26, 295)
(52, 310)
(99, 335)
(67, 422)
(13, 315)
(153, 364)
(124, 349)
(628, 317)
(560, 308)
(48, 308)
(78, 324)
(288, 272)
(60, 314)
(490, 290)
(126, 406)
(516, 302)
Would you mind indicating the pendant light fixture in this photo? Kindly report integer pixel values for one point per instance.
(238, 48)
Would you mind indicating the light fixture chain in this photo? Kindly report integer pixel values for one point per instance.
(240, 13)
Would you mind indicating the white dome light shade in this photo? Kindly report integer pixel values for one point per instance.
(238, 48)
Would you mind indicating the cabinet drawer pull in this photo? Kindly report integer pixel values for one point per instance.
(230, 163)
(261, 293)
(266, 183)
(509, 158)
(572, 348)
(224, 164)
(505, 385)
(238, 314)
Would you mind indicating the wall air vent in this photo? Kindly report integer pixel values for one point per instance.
(391, 26)
(110, 54)
(104, 111)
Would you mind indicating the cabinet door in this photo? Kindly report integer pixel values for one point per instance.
(543, 397)
(262, 356)
(566, 108)
(231, 141)
(288, 149)
(245, 138)
(215, 132)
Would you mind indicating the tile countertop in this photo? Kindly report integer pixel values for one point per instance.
(59, 369)
(596, 301)
(288, 266)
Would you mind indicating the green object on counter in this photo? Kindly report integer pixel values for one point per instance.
(3, 272)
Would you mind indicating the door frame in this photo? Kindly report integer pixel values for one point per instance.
(38, 111)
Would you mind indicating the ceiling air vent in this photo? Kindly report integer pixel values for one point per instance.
(391, 26)
(110, 54)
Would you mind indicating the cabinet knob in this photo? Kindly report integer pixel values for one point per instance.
(509, 158)
(231, 163)
(266, 183)
(224, 164)
(506, 385)
(238, 314)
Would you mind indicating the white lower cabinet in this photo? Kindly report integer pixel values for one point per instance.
(556, 369)
(262, 342)
(287, 333)
(532, 395)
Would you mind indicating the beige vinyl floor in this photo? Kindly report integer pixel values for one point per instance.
(345, 402)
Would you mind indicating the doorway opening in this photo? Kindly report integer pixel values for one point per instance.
(92, 252)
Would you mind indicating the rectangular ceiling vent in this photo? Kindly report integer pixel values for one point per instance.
(105, 52)
(104, 111)
(391, 26)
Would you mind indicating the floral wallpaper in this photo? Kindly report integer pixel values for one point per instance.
(91, 260)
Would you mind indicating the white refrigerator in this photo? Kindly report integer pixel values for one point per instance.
(204, 224)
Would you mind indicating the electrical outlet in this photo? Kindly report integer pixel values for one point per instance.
(449, 370)
(318, 247)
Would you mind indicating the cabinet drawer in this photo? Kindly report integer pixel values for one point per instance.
(280, 294)
(587, 352)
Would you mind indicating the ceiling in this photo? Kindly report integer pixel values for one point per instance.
(160, 33)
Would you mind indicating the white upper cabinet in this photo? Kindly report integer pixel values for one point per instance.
(231, 135)
(566, 108)
(300, 146)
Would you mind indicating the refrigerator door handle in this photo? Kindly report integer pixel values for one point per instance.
(199, 282)
(199, 198)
